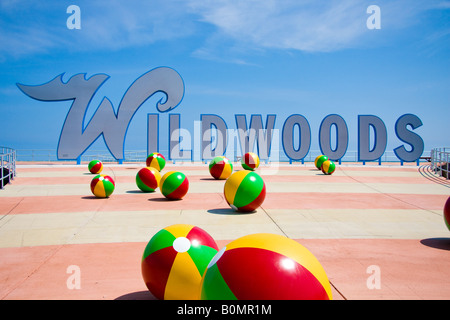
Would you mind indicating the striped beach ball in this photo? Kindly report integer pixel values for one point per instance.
(174, 185)
(95, 166)
(328, 167)
(147, 179)
(220, 168)
(102, 186)
(447, 213)
(250, 161)
(265, 267)
(245, 191)
(156, 160)
(174, 261)
(319, 161)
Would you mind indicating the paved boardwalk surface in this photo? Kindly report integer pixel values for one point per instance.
(378, 231)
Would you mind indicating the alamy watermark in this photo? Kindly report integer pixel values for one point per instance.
(74, 20)
(374, 280)
(374, 20)
(74, 280)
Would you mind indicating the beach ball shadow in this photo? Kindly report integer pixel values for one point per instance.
(228, 211)
(437, 243)
(138, 295)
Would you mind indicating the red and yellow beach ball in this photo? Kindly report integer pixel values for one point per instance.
(245, 191)
(95, 166)
(102, 186)
(156, 160)
(265, 267)
(174, 261)
(220, 168)
(447, 213)
(174, 185)
(250, 161)
(147, 179)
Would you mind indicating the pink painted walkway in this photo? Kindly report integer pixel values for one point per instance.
(360, 221)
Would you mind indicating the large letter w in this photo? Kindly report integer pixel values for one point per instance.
(75, 137)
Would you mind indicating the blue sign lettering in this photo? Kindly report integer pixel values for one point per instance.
(216, 138)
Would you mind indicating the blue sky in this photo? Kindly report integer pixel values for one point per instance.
(236, 57)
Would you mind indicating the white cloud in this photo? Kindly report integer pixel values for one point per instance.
(298, 25)
(27, 27)
(224, 29)
(303, 25)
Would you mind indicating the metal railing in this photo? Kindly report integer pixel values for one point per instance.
(7, 165)
(440, 159)
(50, 155)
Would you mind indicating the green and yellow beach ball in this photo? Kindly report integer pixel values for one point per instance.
(328, 167)
(319, 161)
(245, 191)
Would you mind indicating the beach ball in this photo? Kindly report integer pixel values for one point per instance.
(147, 179)
(220, 168)
(174, 261)
(174, 185)
(319, 160)
(250, 161)
(95, 166)
(245, 191)
(102, 186)
(156, 160)
(447, 213)
(265, 267)
(328, 167)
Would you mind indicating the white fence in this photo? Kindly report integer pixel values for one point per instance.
(7, 165)
(440, 161)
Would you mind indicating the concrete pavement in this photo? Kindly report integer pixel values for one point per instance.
(359, 221)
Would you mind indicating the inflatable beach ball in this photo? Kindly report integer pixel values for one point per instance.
(328, 167)
(174, 185)
(265, 267)
(156, 160)
(319, 161)
(220, 168)
(174, 261)
(102, 186)
(447, 213)
(245, 191)
(147, 179)
(250, 161)
(95, 166)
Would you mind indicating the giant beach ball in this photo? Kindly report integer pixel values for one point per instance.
(245, 191)
(174, 261)
(95, 166)
(328, 167)
(174, 185)
(250, 161)
(447, 213)
(156, 160)
(220, 168)
(319, 161)
(147, 179)
(102, 186)
(265, 267)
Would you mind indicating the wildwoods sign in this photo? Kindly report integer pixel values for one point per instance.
(212, 130)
